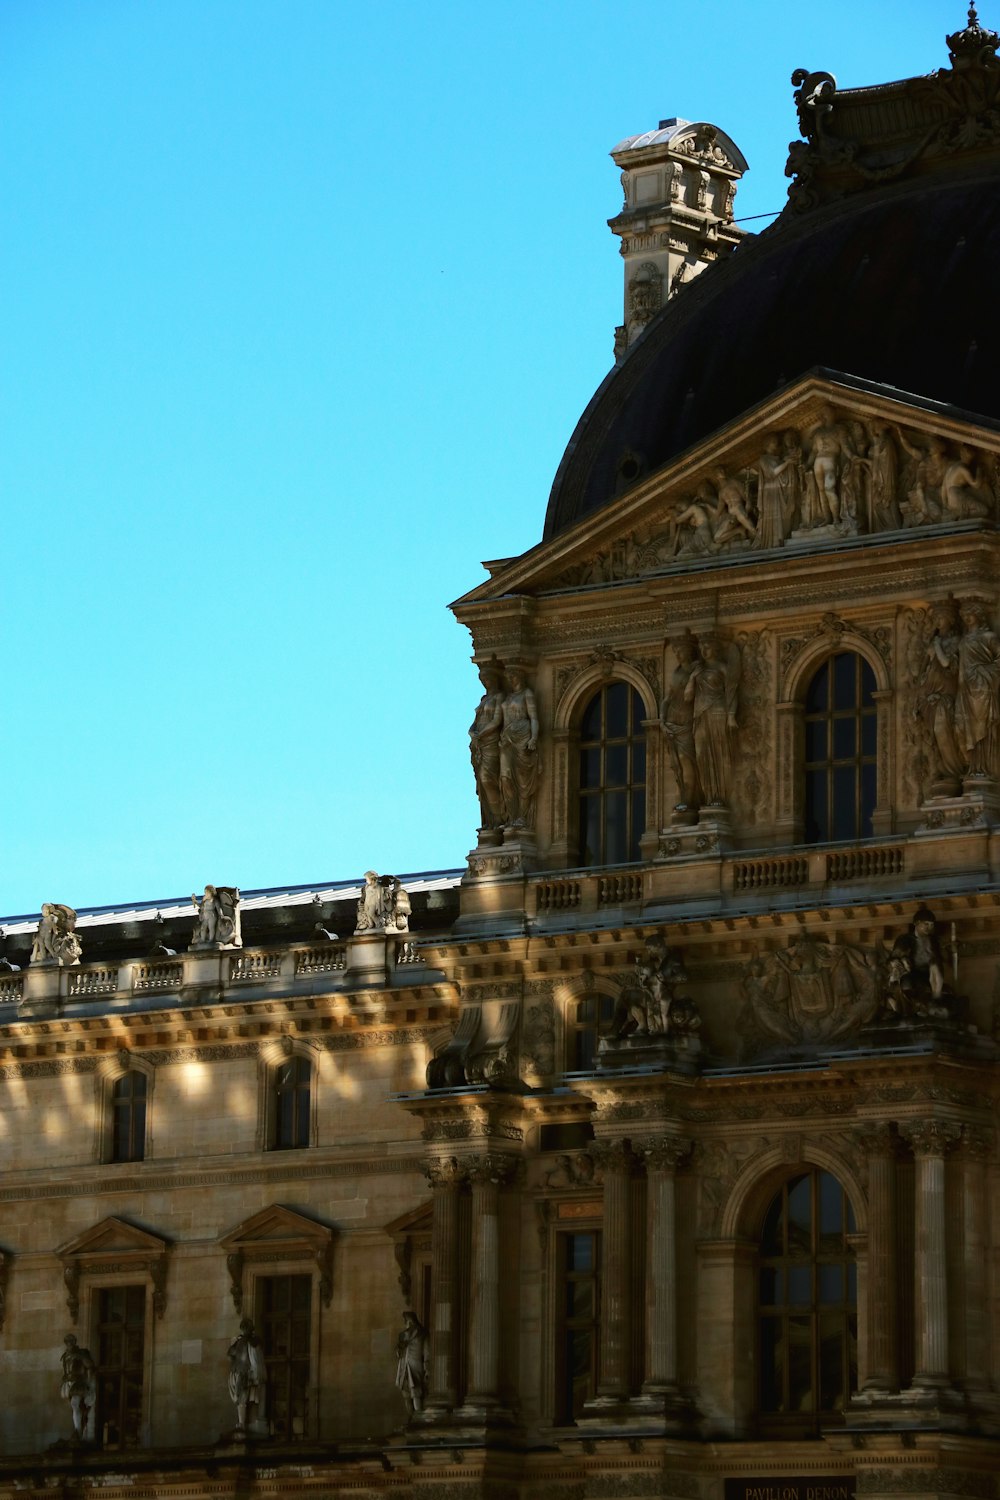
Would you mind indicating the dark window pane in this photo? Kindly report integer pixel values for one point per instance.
(845, 809)
(816, 813)
(638, 714)
(590, 724)
(772, 1241)
(800, 1213)
(638, 823)
(869, 733)
(800, 1373)
(815, 740)
(869, 794)
(845, 738)
(616, 828)
(590, 768)
(832, 1370)
(831, 1205)
(616, 710)
(771, 1365)
(616, 765)
(845, 680)
(817, 694)
(638, 762)
(772, 1287)
(590, 830)
(831, 1283)
(607, 1008)
(580, 1252)
(799, 1286)
(867, 683)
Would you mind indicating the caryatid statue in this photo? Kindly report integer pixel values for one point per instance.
(56, 941)
(519, 752)
(412, 1353)
(713, 692)
(937, 690)
(677, 721)
(218, 921)
(484, 745)
(977, 703)
(247, 1375)
(79, 1387)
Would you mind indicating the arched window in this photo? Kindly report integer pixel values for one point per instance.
(840, 750)
(128, 1117)
(586, 1022)
(292, 1103)
(612, 776)
(807, 1305)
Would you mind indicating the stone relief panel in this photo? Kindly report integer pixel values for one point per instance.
(753, 783)
(835, 477)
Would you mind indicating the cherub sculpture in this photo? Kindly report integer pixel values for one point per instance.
(218, 923)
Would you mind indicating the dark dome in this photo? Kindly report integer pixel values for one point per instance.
(896, 287)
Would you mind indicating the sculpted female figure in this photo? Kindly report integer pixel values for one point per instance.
(936, 696)
(884, 459)
(519, 752)
(484, 746)
(772, 495)
(712, 688)
(977, 705)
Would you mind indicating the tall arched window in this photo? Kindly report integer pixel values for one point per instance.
(612, 776)
(589, 1019)
(840, 750)
(807, 1305)
(128, 1117)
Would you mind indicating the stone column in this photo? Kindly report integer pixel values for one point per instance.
(662, 1157)
(976, 1149)
(486, 1174)
(615, 1157)
(880, 1144)
(445, 1176)
(930, 1140)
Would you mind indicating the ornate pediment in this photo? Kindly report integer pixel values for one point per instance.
(824, 464)
(114, 1247)
(276, 1234)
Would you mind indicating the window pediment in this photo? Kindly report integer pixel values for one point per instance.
(278, 1235)
(114, 1247)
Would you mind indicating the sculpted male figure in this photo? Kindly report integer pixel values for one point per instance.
(79, 1386)
(732, 519)
(484, 746)
(412, 1352)
(677, 719)
(829, 445)
(217, 915)
(247, 1374)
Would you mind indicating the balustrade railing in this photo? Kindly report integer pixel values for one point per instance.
(327, 959)
(168, 975)
(783, 872)
(95, 981)
(249, 966)
(557, 895)
(865, 863)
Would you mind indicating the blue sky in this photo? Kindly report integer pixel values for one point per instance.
(301, 302)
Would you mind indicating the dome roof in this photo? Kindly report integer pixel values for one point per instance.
(895, 291)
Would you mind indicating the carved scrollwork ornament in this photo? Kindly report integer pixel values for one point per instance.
(444, 1171)
(492, 1166)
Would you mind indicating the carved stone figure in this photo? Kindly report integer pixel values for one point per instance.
(937, 689)
(698, 516)
(384, 905)
(977, 705)
(677, 720)
(916, 988)
(412, 1353)
(774, 500)
(519, 752)
(924, 497)
(79, 1387)
(713, 690)
(829, 454)
(484, 745)
(247, 1375)
(884, 513)
(218, 923)
(732, 521)
(650, 1004)
(963, 498)
(56, 941)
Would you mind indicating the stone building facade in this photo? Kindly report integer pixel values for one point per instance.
(653, 1152)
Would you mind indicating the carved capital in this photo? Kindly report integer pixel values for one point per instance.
(664, 1153)
(879, 1139)
(444, 1172)
(976, 1143)
(493, 1167)
(931, 1137)
(612, 1156)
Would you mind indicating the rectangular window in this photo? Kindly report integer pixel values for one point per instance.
(577, 1322)
(118, 1344)
(284, 1321)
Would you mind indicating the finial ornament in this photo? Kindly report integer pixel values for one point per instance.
(973, 46)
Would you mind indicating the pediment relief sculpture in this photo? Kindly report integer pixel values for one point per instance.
(834, 477)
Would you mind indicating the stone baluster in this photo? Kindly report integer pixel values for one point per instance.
(662, 1157)
(881, 1144)
(486, 1174)
(616, 1160)
(976, 1149)
(446, 1176)
(930, 1140)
